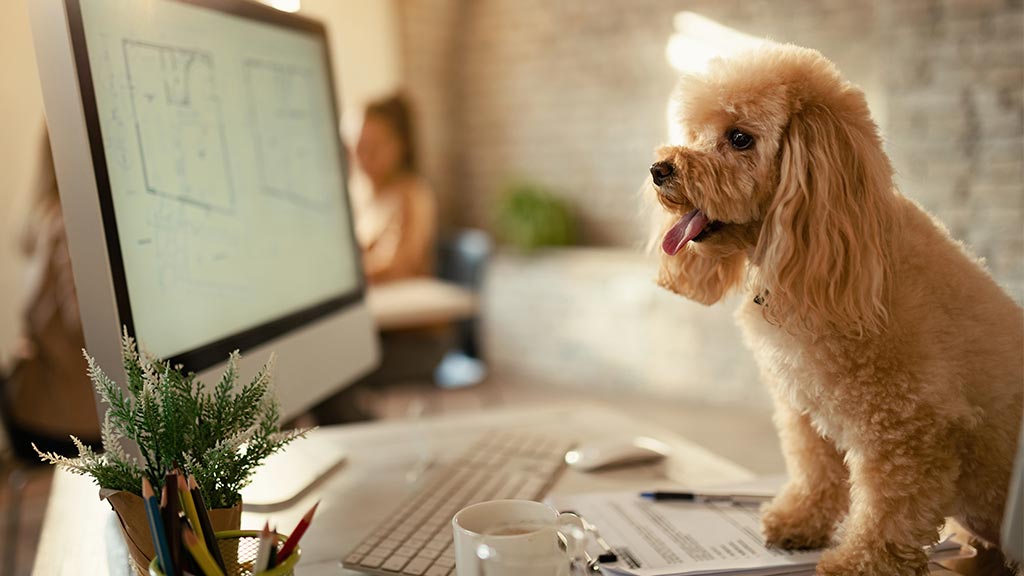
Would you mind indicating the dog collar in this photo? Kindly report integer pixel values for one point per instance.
(760, 297)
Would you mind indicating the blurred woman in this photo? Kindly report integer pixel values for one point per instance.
(397, 227)
(47, 395)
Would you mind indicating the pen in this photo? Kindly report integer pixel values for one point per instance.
(704, 498)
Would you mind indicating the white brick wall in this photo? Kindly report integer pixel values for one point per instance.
(572, 93)
(956, 121)
(431, 32)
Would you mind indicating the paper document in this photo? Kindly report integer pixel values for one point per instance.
(681, 538)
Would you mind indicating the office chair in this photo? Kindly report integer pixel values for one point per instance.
(15, 486)
(20, 463)
(463, 260)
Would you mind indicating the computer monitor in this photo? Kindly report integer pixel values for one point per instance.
(1012, 538)
(203, 183)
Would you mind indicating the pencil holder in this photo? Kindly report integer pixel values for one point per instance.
(239, 547)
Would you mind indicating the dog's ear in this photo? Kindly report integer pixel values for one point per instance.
(702, 277)
(822, 250)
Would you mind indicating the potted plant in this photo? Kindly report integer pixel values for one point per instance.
(530, 217)
(219, 435)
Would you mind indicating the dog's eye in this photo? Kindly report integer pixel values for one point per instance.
(740, 140)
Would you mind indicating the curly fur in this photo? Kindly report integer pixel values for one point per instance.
(895, 361)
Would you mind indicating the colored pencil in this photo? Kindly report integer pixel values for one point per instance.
(200, 553)
(273, 548)
(296, 535)
(156, 527)
(189, 505)
(263, 552)
(209, 536)
(189, 566)
(189, 518)
(172, 527)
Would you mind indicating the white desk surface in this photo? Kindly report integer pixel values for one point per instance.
(80, 534)
(419, 302)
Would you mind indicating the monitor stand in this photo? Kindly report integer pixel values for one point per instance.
(288, 476)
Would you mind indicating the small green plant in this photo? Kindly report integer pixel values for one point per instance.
(530, 217)
(219, 435)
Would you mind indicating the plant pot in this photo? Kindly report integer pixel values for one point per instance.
(131, 515)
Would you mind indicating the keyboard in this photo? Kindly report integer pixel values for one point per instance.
(416, 540)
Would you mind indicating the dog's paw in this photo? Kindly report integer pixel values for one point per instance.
(884, 560)
(788, 525)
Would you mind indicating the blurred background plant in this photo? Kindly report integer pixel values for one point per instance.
(529, 216)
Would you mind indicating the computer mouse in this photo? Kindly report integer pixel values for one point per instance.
(604, 454)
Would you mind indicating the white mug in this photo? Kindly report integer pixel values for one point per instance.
(514, 537)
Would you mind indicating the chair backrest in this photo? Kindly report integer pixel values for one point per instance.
(6, 444)
(463, 258)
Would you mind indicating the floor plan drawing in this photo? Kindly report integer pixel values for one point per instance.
(197, 250)
(179, 123)
(284, 128)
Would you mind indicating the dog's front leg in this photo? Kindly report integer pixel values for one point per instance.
(805, 513)
(902, 481)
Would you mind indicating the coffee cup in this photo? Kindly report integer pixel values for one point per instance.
(514, 537)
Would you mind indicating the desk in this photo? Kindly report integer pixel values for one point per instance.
(80, 534)
(419, 302)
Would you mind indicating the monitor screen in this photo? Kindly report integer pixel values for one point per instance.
(222, 181)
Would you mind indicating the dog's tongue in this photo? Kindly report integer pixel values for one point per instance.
(688, 227)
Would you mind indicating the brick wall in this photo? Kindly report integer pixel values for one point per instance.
(956, 113)
(430, 32)
(572, 93)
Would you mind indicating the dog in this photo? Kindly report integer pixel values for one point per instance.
(895, 362)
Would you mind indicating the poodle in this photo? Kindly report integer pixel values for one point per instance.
(895, 362)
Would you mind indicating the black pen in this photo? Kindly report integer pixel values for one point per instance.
(705, 498)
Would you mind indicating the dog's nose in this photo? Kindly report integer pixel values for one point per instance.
(661, 171)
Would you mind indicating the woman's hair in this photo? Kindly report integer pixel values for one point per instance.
(396, 112)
